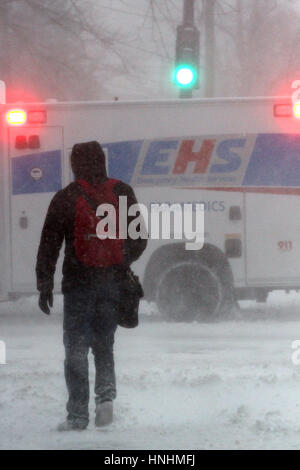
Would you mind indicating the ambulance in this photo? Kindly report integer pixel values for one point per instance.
(239, 157)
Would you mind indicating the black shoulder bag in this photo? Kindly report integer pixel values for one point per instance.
(131, 294)
(131, 290)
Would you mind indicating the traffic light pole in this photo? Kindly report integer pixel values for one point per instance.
(209, 53)
(188, 20)
(188, 12)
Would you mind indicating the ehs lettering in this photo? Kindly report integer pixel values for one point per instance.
(188, 154)
(157, 157)
(225, 152)
(160, 154)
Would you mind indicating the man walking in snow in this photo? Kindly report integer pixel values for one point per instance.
(92, 278)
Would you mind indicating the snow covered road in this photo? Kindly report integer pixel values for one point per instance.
(228, 385)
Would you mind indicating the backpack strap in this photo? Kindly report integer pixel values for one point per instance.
(87, 191)
(91, 202)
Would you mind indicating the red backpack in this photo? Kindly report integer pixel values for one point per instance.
(89, 249)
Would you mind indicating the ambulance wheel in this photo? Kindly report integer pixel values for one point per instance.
(189, 291)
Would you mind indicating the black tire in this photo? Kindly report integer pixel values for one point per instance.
(188, 291)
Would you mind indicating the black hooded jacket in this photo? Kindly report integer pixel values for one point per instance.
(88, 163)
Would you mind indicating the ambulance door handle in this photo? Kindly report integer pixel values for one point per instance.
(23, 220)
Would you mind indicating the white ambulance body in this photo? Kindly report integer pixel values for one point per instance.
(239, 157)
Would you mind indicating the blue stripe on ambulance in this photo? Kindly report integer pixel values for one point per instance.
(275, 161)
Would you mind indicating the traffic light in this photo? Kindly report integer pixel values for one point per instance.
(186, 71)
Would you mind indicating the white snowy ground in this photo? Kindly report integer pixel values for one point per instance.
(228, 385)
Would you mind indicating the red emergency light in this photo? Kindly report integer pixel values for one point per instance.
(37, 116)
(16, 117)
(282, 110)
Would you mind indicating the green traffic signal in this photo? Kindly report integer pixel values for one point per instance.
(185, 76)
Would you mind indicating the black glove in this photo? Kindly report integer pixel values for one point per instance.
(46, 301)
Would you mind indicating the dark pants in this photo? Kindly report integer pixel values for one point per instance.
(90, 321)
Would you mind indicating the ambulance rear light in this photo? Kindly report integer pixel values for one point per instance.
(37, 117)
(34, 142)
(287, 110)
(282, 110)
(296, 109)
(16, 117)
(21, 142)
(19, 117)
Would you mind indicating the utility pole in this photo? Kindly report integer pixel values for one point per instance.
(187, 50)
(210, 47)
(188, 20)
(188, 12)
